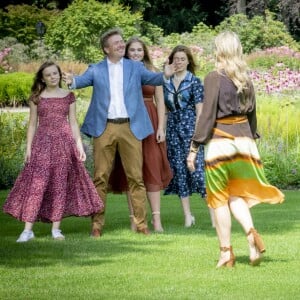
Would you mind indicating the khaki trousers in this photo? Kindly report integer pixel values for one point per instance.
(119, 137)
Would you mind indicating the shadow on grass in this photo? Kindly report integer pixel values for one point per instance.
(80, 250)
(43, 252)
(265, 261)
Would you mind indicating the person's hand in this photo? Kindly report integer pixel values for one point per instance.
(160, 135)
(27, 156)
(169, 69)
(67, 78)
(191, 161)
(82, 155)
(81, 152)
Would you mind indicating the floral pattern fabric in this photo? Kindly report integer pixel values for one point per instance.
(55, 183)
(180, 128)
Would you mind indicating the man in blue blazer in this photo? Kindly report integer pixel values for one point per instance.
(117, 120)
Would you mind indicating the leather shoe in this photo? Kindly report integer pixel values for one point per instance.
(144, 231)
(96, 233)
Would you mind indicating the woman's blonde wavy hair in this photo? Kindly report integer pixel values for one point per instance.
(229, 59)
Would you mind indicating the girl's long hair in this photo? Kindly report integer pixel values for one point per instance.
(229, 59)
(147, 59)
(38, 83)
(181, 48)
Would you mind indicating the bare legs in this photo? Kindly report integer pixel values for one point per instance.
(55, 225)
(154, 201)
(28, 226)
(189, 219)
(223, 229)
(212, 217)
(240, 210)
(28, 234)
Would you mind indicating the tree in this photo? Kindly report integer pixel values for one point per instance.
(59, 4)
(19, 21)
(287, 11)
(258, 32)
(78, 28)
(290, 15)
(175, 15)
(178, 16)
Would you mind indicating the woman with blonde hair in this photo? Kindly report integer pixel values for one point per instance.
(227, 127)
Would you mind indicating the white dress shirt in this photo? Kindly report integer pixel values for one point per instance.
(117, 107)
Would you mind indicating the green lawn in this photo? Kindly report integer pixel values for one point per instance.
(178, 264)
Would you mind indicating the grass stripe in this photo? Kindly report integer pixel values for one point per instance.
(179, 264)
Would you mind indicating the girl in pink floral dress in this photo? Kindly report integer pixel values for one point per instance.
(54, 182)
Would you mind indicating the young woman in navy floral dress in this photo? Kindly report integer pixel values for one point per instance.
(183, 94)
(54, 182)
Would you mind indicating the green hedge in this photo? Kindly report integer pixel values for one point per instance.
(15, 88)
(12, 146)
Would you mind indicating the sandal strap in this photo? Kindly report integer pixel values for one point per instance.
(225, 249)
(252, 230)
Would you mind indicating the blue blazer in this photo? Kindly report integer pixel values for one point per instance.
(134, 76)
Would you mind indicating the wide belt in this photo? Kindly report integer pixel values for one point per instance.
(229, 120)
(232, 120)
(223, 134)
(118, 120)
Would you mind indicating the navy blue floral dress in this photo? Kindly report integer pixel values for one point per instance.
(180, 128)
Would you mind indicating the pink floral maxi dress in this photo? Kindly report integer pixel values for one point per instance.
(55, 183)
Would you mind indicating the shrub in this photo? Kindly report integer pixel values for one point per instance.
(203, 36)
(15, 88)
(83, 22)
(259, 32)
(4, 65)
(200, 41)
(19, 22)
(279, 146)
(19, 52)
(151, 33)
(12, 146)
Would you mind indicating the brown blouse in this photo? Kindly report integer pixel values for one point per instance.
(221, 100)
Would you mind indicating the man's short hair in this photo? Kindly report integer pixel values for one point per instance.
(106, 35)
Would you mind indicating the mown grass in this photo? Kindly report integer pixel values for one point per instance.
(178, 264)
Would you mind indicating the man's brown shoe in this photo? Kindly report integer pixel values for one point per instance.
(144, 231)
(96, 233)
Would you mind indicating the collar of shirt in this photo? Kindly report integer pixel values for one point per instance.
(110, 63)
